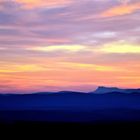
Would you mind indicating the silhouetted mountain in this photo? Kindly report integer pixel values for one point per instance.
(43, 93)
(67, 106)
(70, 92)
(66, 92)
(102, 90)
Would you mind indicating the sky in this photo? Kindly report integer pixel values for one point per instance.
(52, 45)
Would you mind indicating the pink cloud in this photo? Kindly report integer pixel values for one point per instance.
(42, 3)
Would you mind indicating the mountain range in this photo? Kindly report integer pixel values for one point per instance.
(103, 104)
(99, 90)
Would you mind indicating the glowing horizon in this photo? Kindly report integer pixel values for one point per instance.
(52, 45)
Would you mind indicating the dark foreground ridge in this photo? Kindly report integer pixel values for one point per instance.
(52, 126)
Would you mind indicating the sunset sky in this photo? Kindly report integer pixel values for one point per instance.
(52, 45)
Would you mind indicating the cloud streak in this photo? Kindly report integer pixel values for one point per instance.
(70, 48)
(29, 4)
(121, 10)
(120, 48)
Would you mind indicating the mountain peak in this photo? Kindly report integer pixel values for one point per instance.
(103, 89)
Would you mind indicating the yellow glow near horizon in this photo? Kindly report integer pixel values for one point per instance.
(108, 48)
(120, 48)
(94, 67)
(71, 48)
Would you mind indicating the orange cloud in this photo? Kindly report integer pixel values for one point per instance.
(35, 81)
(46, 73)
(42, 3)
(121, 10)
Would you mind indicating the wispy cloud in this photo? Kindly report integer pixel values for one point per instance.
(42, 3)
(121, 10)
(68, 48)
(120, 48)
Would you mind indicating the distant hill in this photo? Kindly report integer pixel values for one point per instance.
(99, 90)
(103, 97)
(102, 90)
(70, 106)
